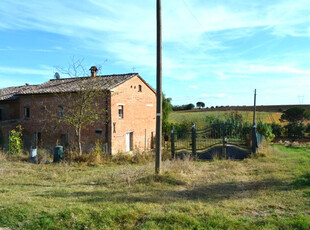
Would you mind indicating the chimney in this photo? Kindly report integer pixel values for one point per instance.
(93, 71)
(57, 76)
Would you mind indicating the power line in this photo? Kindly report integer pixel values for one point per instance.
(191, 12)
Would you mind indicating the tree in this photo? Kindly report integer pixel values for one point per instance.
(200, 104)
(276, 129)
(295, 129)
(167, 109)
(183, 107)
(190, 106)
(83, 108)
(295, 114)
(85, 105)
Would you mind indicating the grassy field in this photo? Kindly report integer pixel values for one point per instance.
(200, 117)
(271, 192)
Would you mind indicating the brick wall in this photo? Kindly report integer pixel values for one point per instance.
(139, 119)
(139, 115)
(10, 110)
(44, 111)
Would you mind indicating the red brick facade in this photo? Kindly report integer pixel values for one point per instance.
(139, 116)
(134, 131)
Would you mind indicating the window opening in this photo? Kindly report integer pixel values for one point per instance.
(27, 112)
(121, 111)
(98, 131)
(61, 111)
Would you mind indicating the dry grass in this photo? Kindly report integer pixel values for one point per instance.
(256, 193)
(3, 156)
(200, 117)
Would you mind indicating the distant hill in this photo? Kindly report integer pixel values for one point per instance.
(262, 108)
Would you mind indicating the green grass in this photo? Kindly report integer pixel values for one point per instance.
(200, 117)
(270, 192)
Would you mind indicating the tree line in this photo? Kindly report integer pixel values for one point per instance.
(190, 106)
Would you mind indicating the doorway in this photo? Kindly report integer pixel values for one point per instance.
(129, 141)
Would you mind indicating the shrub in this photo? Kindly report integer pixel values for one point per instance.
(246, 131)
(266, 130)
(295, 129)
(276, 129)
(16, 140)
(308, 128)
(183, 128)
(210, 119)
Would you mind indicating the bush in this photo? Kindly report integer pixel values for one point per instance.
(308, 128)
(210, 119)
(246, 132)
(266, 130)
(295, 129)
(16, 141)
(184, 127)
(276, 129)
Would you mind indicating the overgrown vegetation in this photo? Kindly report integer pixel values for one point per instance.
(292, 123)
(200, 117)
(15, 141)
(271, 192)
(77, 110)
(167, 109)
(183, 107)
(296, 116)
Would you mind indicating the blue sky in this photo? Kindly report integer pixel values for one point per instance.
(217, 52)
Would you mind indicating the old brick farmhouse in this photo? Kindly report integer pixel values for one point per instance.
(128, 100)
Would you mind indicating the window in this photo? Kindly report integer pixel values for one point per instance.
(121, 111)
(98, 132)
(61, 111)
(42, 109)
(140, 88)
(0, 114)
(27, 112)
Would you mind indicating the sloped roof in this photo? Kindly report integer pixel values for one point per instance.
(11, 93)
(66, 85)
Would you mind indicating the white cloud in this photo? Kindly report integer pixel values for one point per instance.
(206, 43)
(220, 95)
(17, 70)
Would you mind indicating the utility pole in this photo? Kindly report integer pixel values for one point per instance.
(254, 139)
(158, 91)
(254, 112)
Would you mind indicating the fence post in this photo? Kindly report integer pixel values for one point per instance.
(9, 144)
(172, 143)
(224, 143)
(194, 140)
(254, 139)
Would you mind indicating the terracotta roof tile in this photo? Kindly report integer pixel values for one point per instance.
(66, 85)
